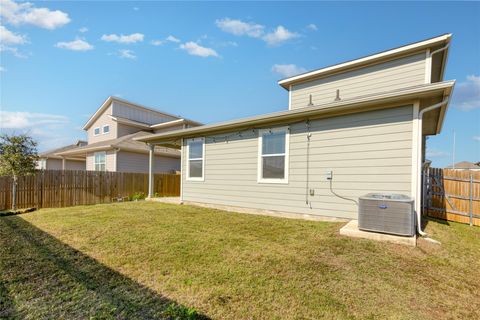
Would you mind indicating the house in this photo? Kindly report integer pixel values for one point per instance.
(111, 145)
(465, 165)
(350, 129)
(49, 160)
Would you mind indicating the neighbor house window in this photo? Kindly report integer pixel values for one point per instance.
(195, 159)
(106, 129)
(273, 155)
(42, 164)
(99, 161)
(96, 131)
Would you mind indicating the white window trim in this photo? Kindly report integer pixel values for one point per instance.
(95, 160)
(187, 176)
(99, 131)
(103, 129)
(260, 162)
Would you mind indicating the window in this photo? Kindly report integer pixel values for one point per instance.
(106, 129)
(195, 152)
(96, 131)
(273, 155)
(99, 161)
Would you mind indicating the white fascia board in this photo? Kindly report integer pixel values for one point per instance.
(387, 97)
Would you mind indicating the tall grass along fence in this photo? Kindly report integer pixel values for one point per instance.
(56, 188)
(452, 195)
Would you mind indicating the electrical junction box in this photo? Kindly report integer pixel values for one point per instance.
(329, 175)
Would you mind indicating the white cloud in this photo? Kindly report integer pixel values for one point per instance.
(9, 37)
(156, 42)
(240, 28)
(466, 95)
(195, 49)
(312, 27)
(287, 70)
(172, 39)
(25, 120)
(132, 38)
(279, 36)
(255, 30)
(437, 153)
(13, 51)
(26, 13)
(83, 29)
(75, 45)
(50, 130)
(228, 44)
(2, 69)
(477, 138)
(127, 54)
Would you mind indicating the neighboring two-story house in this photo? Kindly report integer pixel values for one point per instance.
(111, 146)
(350, 129)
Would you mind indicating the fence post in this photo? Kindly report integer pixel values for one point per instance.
(471, 199)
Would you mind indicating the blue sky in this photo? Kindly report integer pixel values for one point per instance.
(213, 61)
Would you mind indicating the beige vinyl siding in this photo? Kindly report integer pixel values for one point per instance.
(102, 120)
(53, 164)
(123, 130)
(75, 165)
(138, 162)
(110, 162)
(392, 75)
(172, 128)
(139, 114)
(368, 152)
(56, 164)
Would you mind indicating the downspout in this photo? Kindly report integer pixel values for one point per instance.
(419, 163)
(430, 55)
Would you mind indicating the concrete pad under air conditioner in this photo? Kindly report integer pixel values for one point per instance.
(351, 230)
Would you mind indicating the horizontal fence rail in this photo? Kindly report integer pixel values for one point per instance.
(57, 188)
(452, 195)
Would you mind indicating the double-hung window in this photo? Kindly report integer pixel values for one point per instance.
(106, 129)
(273, 155)
(96, 131)
(195, 159)
(99, 161)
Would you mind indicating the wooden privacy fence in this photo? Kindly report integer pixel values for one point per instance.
(56, 188)
(452, 195)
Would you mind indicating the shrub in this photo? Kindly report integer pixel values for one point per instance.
(137, 196)
(179, 312)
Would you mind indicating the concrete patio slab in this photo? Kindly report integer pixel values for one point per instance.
(351, 230)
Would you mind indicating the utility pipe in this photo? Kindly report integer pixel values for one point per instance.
(439, 50)
(419, 162)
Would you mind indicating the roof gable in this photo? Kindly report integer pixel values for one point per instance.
(110, 100)
(369, 60)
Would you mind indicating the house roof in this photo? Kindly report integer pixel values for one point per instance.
(465, 165)
(369, 60)
(111, 99)
(52, 153)
(126, 143)
(396, 97)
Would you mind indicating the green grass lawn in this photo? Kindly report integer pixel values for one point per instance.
(143, 260)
